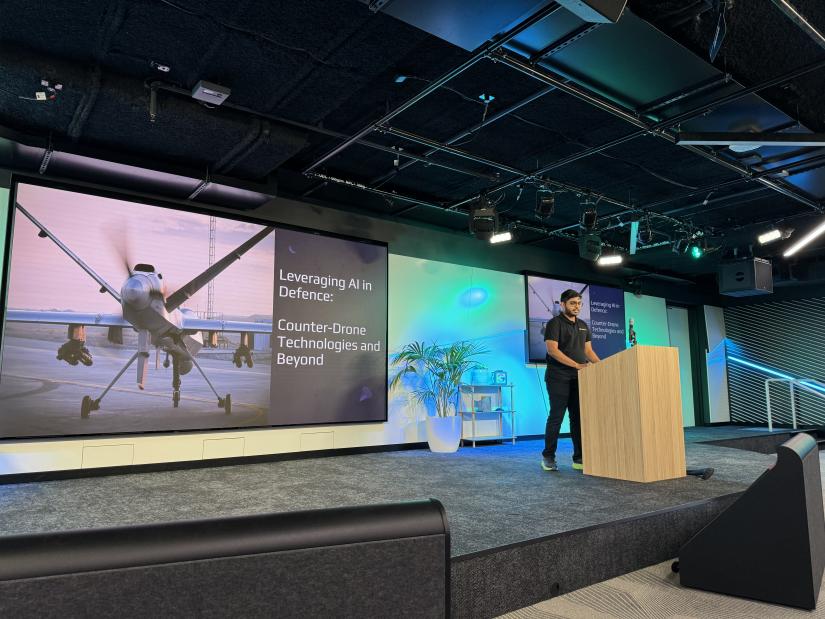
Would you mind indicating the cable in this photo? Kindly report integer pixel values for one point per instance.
(14, 94)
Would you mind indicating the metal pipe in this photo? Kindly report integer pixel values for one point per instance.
(417, 139)
(655, 130)
(435, 85)
(157, 85)
(789, 169)
(386, 194)
(796, 17)
(557, 46)
(686, 115)
(568, 88)
(467, 132)
(670, 99)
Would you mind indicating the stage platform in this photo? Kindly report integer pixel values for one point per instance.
(518, 534)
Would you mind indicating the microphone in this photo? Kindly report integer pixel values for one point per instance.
(631, 333)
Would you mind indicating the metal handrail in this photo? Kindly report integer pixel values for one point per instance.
(792, 382)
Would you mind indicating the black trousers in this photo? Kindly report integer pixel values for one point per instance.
(563, 389)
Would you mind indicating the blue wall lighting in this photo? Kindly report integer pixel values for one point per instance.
(473, 297)
(776, 373)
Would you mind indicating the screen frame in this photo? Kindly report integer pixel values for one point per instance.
(526, 274)
(18, 179)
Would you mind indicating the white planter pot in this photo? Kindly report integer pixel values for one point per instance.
(444, 433)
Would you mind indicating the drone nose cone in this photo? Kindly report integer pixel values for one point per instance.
(136, 292)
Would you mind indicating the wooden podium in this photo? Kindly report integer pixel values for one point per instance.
(631, 416)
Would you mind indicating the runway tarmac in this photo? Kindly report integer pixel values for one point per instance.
(41, 396)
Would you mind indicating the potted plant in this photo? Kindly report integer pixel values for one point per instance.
(437, 372)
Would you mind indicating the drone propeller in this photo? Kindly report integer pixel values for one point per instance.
(120, 243)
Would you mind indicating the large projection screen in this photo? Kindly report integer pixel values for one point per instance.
(214, 322)
(602, 309)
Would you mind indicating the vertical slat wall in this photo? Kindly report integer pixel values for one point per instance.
(786, 337)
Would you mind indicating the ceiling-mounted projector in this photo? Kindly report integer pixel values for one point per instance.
(596, 11)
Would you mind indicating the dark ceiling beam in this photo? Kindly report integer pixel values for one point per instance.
(414, 201)
(547, 77)
(687, 115)
(450, 150)
(792, 13)
(158, 85)
(551, 49)
(378, 181)
(797, 167)
(389, 195)
(557, 46)
(519, 175)
(789, 169)
(436, 84)
(692, 91)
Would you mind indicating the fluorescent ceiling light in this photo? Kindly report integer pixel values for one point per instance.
(813, 234)
(740, 141)
(767, 237)
(502, 237)
(611, 260)
(744, 148)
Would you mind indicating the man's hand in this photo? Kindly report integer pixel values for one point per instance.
(581, 366)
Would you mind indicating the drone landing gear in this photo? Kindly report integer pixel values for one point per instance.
(88, 404)
(243, 353)
(226, 402)
(175, 380)
(74, 351)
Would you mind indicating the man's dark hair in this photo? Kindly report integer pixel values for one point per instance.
(569, 294)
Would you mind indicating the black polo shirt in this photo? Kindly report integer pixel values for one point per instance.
(571, 336)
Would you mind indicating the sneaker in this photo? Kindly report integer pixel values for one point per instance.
(577, 464)
(549, 464)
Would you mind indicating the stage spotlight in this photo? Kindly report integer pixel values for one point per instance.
(590, 245)
(611, 260)
(774, 235)
(504, 236)
(680, 246)
(545, 204)
(589, 218)
(696, 251)
(483, 219)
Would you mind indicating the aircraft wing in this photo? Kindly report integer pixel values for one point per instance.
(67, 318)
(235, 326)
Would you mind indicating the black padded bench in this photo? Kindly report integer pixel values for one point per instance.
(371, 561)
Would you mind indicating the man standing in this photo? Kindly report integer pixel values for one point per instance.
(568, 351)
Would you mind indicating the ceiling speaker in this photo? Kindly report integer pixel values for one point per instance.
(745, 278)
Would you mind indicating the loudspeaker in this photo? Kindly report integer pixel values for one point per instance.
(744, 278)
(597, 11)
(770, 544)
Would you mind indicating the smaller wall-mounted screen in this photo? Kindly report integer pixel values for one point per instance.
(602, 310)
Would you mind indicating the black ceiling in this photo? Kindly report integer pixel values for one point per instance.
(587, 111)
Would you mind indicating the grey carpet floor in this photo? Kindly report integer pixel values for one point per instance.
(655, 592)
(494, 495)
